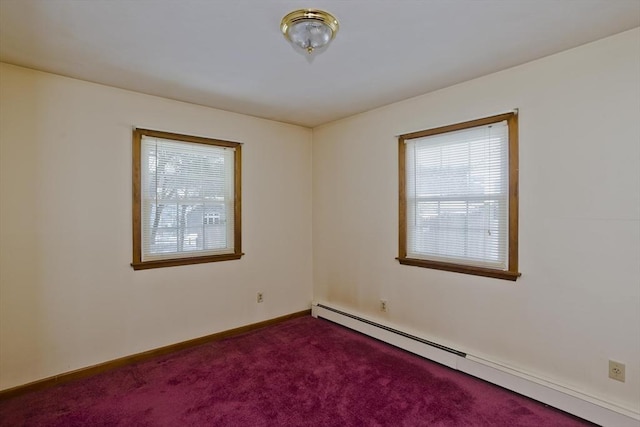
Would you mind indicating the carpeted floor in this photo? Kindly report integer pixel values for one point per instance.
(303, 372)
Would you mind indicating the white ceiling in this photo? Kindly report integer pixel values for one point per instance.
(230, 54)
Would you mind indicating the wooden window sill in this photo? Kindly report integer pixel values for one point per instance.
(458, 268)
(183, 261)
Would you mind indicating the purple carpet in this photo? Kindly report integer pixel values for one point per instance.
(303, 372)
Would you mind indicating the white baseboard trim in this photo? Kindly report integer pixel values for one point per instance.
(563, 398)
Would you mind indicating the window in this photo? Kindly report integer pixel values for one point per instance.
(186, 199)
(459, 197)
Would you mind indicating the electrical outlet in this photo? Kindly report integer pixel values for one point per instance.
(259, 298)
(616, 371)
(383, 305)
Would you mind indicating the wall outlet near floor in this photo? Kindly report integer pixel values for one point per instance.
(616, 370)
(259, 297)
(383, 305)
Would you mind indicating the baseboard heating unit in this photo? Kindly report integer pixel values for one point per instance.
(558, 396)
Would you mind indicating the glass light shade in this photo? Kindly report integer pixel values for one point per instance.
(309, 29)
(310, 34)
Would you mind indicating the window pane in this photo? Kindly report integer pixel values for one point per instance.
(457, 196)
(188, 199)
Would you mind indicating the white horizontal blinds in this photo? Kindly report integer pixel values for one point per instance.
(187, 199)
(457, 196)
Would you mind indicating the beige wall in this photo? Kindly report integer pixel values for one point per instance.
(68, 296)
(577, 303)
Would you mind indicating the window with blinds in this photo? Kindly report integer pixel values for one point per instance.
(186, 194)
(459, 199)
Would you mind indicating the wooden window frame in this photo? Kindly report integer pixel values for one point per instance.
(137, 263)
(511, 273)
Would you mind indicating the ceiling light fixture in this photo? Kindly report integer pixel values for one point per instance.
(309, 29)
